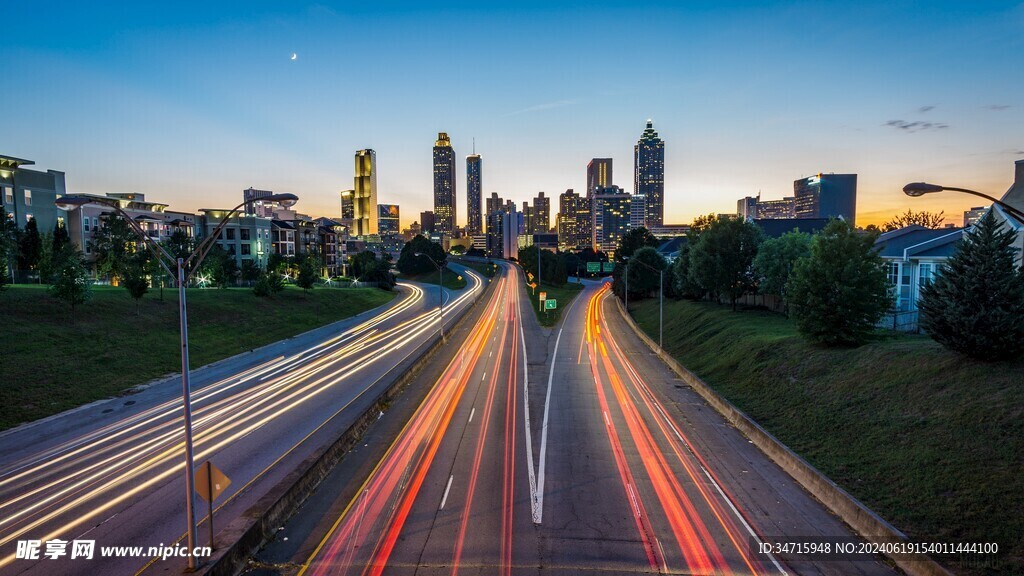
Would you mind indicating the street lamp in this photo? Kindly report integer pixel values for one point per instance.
(167, 261)
(661, 297)
(916, 189)
(440, 289)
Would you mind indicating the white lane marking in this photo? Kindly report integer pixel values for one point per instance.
(489, 353)
(538, 499)
(449, 487)
(484, 377)
(471, 412)
(607, 422)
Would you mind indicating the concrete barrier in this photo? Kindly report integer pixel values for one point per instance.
(237, 542)
(870, 526)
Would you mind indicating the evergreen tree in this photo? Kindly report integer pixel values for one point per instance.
(61, 237)
(8, 246)
(307, 273)
(71, 283)
(135, 278)
(975, 306)
(839, 292)
(30, 246)
(411, 265)
(48, 264)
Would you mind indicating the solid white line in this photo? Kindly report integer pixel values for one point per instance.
(538, 501)
(534, 510)
(445, 498)
(471, 412)
(606, 420)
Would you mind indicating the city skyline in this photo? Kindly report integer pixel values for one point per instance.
(121, 104)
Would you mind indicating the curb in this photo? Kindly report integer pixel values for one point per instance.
(257, 525)
(862, 519)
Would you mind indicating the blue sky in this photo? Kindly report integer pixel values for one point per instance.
(192, 102)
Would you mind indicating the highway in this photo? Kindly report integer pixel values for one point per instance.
(112, 472)
(566, 451)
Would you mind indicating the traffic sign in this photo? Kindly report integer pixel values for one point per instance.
(593, 266)
(543, 295)
(609, 266)
(550, 304)
(530, 276)
(210, 481)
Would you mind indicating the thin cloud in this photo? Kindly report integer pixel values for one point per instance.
(916, 126)
(997, 107)
(544, 106)
(924, 109)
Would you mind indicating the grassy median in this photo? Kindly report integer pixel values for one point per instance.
(562, 295)
(932, 441)
(49, 364)
(451, 279)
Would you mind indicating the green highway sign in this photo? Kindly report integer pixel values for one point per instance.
(609, 266)
(550, 304)
(593, 266)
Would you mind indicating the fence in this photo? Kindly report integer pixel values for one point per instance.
(901, 321)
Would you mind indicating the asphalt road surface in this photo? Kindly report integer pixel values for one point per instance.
(566, 451)
(112, 472)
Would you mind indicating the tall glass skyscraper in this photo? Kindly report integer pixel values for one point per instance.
(474, 195)
(827, 196)
(364, 198)
(649, 175)
(444, 185)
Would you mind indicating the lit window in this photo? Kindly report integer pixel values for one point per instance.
(8, 195)
(28, 197)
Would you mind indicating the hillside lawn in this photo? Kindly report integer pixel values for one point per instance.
(49, 365)
(930, 440)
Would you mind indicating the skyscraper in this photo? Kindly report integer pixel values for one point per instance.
(599, 174)
(364, 198)
(610, 217)
(827, 196)
(387, 218)
(444, 185)
(541, 222)
(637, 211)
(528, 218)
(649, 175)
(474, 195)
(428, 222)
(494, 203)
(347, 209)
(573, 221)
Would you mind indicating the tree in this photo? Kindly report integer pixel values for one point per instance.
(634, 240)
(683, 282)
(30, 246)
(411, 265)
(250, 271)
(135, 278)
(71, 283)
(775, 260)
(61, 237)
(458, 250)
(47, 263)
(922, 218)
(268, 284)
(113, 245)
(721, 259)
(219, 267)
(8, 246)
(840, 291)
(975, 306)
(642, 269)
(307, 276)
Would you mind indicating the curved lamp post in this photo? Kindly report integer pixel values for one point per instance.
(916, 189)
(167, 261)
(440, 289)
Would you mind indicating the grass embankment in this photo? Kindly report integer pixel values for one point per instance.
(930, 440)
(49, 364)
(562, 295)
(450, 279)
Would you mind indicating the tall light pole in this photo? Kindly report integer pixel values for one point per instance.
(661, 297)
(440, 289)
(167, 261)
(917, 189)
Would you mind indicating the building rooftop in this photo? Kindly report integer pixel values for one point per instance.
(773, 228)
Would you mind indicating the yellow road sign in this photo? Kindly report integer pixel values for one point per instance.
(210, 481)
